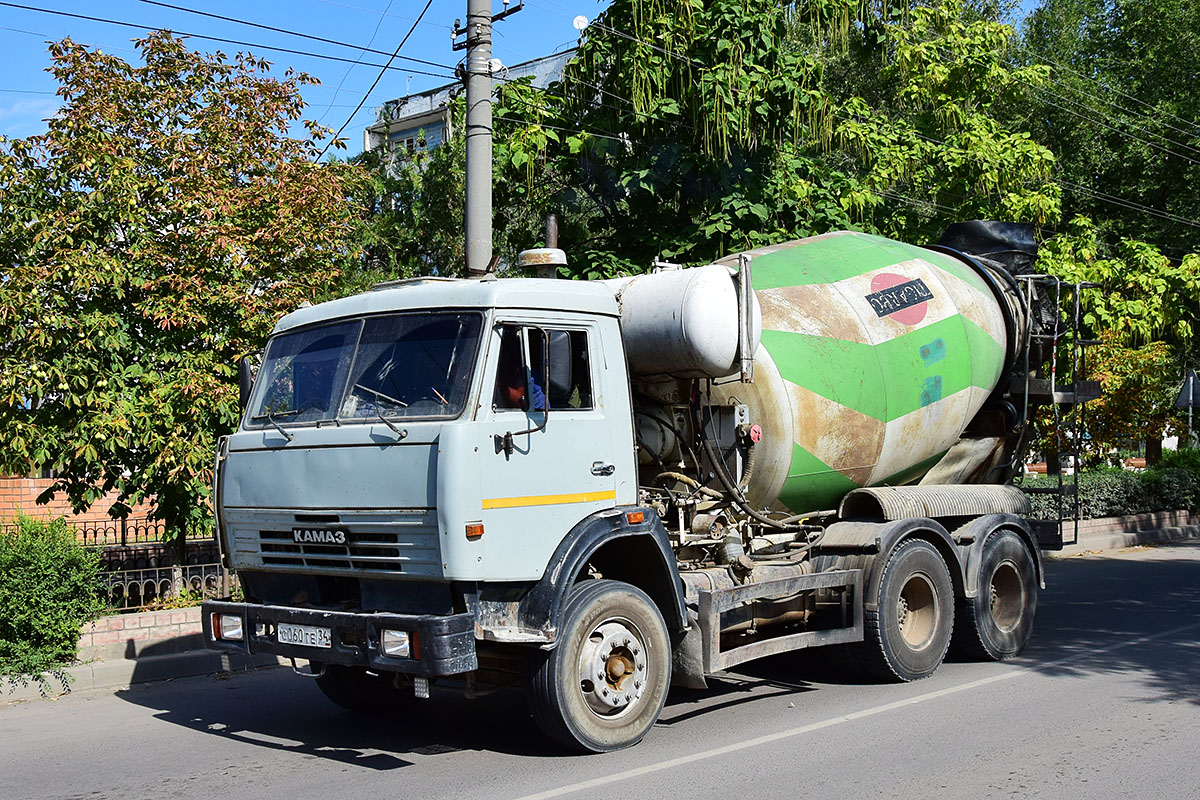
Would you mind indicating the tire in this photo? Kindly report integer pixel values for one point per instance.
(604, 685)
(997, 622)
(355, 689)
(908, 633)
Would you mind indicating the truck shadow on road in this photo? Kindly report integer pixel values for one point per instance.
(1127, 613)
(275, 709)
(1101, 615)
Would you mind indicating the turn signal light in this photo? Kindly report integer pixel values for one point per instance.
(474, 530)
(635, 517)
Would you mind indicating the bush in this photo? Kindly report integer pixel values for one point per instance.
(1174, 484)
(50, 588)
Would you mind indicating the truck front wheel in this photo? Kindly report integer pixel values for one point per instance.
(908, 633)
(604, 685)
(997, 622)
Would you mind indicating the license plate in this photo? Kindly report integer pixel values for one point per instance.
(306, 635)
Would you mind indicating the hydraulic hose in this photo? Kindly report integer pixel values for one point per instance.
(692, 482)
(736, 496)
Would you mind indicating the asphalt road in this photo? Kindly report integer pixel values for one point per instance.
(1104, 703)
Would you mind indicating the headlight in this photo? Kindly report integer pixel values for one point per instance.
(395, 644)
(228, 627)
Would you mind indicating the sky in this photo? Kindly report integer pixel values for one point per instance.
(27, 91)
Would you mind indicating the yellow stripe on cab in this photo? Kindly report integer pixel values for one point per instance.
(548, 499)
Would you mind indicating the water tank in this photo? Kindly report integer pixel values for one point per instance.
(682, 323)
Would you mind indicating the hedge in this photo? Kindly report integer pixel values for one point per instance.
(1172, 485)
(49, 588)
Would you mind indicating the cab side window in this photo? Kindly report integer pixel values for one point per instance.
(525, 352)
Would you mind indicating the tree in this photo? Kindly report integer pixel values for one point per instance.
(1141, 296)
(150, 238)
(1138, 394)
(709, 126)
(1116, 111)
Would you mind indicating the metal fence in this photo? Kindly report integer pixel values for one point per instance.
(124, 532)
(137, 589)
(140, 570)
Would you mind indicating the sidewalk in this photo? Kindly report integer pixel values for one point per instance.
(1114, 533)
(120, 656)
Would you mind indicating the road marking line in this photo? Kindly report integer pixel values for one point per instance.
(828, 723)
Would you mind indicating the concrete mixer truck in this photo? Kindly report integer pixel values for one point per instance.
(600, 489)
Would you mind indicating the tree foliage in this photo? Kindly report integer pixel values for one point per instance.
(1142, 296)
(1138, 393)
(701, 127)
(151, 237)
(1119, 112)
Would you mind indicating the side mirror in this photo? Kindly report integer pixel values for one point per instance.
(245, 382)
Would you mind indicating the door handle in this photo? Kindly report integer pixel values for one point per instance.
(601, 469)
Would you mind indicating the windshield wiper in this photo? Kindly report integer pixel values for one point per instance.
(270, 417)
(381, 396)
(398, 431)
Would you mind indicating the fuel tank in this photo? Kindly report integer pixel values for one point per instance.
(874, 357)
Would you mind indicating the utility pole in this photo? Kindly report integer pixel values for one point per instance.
(478, 78)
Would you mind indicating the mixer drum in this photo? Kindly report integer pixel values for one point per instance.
(875, 356)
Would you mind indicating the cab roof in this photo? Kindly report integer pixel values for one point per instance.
(540, 294)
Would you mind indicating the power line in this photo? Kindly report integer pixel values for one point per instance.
(1089, 191)
(597, 104)
(25, 91)
(1128, 112)
(47, 37)
(611, 136)
(287, 32)
(382, 14)
(237, 42)
(1046, 92)
(374, 33)
(1156, 109)
(1113, 128)
(378, 77)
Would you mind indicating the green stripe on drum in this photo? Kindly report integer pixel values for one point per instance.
(848, 373)
(985, 370)
(893, 378)
(811, 484)
(830, 259)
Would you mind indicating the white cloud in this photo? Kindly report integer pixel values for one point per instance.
(26, 117)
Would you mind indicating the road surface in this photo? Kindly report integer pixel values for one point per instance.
(1104, 703)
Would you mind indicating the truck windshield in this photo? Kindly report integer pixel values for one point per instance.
(400, 365)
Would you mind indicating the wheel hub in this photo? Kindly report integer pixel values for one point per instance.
(917, 612)
(612, 668)
(1007, 596)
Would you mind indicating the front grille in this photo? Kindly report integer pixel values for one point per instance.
(388, 543)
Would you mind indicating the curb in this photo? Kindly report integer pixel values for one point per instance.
(1095, 542)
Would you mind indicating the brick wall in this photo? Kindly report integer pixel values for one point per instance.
(142, 634)
(1133, 522)
(19, 495)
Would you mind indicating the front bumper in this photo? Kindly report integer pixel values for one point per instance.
(444, 645)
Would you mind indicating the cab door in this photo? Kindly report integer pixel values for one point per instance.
(555, 442)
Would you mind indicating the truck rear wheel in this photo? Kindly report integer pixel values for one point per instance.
(907, 635)
(604, 685)
(997, 622)
(360, 691)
